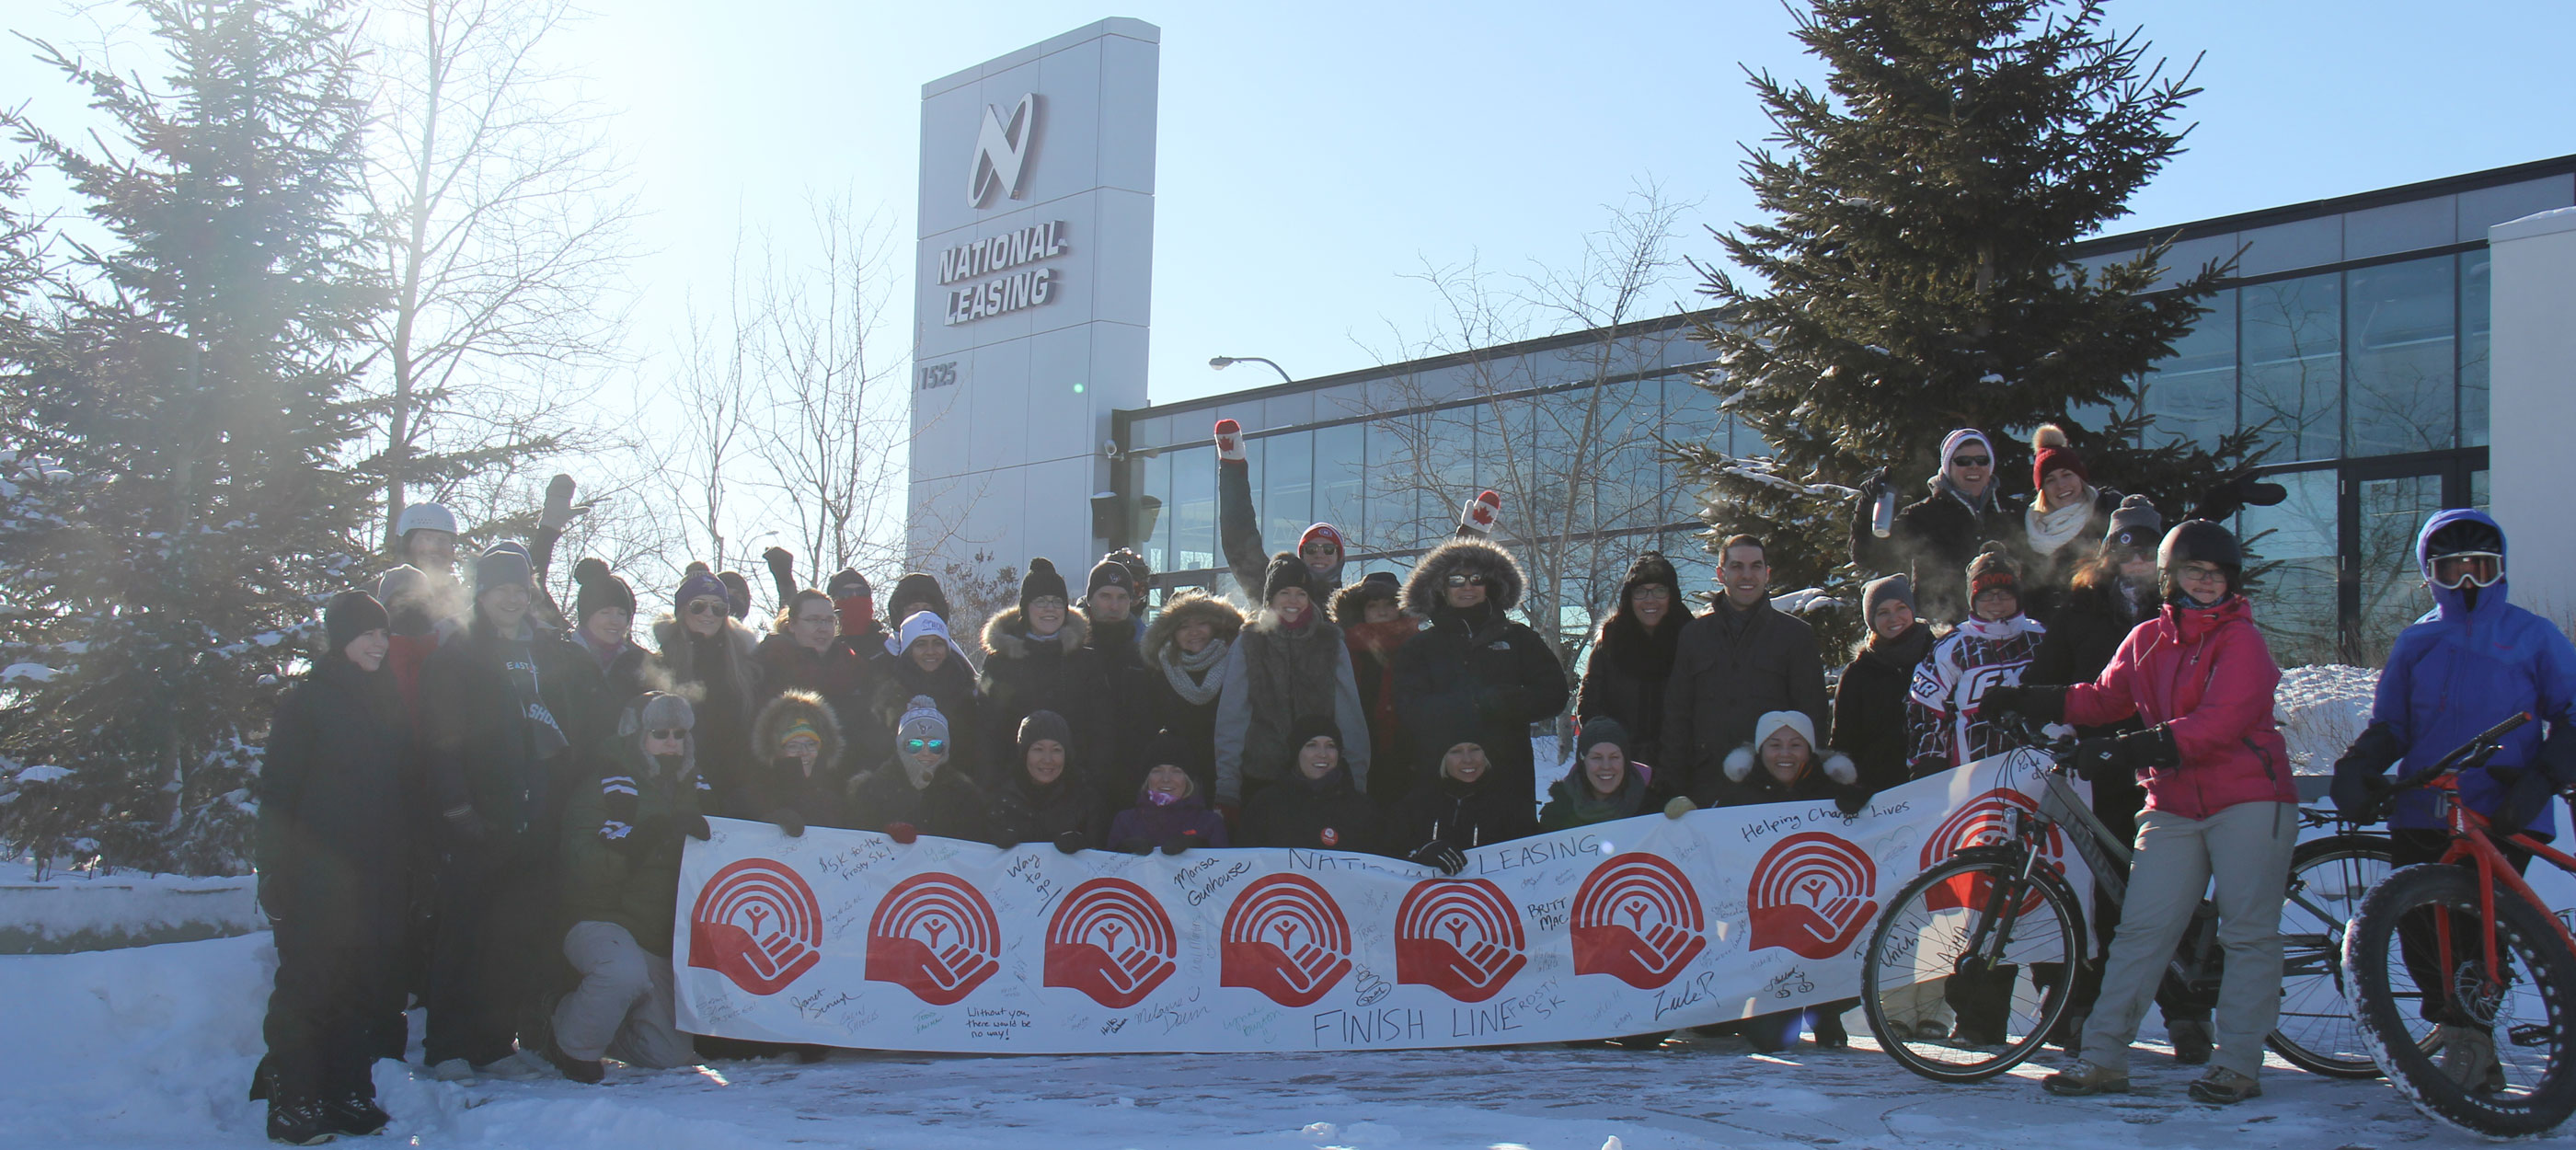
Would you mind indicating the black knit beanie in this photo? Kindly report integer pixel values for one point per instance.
(1286, 570)
(350, 614)
(597, 589)
(1041, 581)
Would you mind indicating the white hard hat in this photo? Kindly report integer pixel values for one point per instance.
(425, 515)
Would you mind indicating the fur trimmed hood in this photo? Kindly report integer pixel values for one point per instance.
(1837, 765)
(1184, 608)
(1465, 556)
(1350, 604)
(1006, 633)
(786, 710)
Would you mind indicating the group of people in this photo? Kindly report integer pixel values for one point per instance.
(471, 781)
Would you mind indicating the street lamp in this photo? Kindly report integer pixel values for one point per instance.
(1223, 362)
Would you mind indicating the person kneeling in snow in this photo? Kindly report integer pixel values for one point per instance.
(1782, 765)
(621, 861)
(1169, 813)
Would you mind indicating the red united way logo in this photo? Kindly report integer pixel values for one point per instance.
(934, 935)
(1287, 938)
(1112, 941)
(1810, 895)
(1459, 937)
(756, 923)
(1985, 821)
(1637, 919)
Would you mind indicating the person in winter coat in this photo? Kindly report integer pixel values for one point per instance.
(804, 771)
(1783, 765)
(2066, 514)
(405, 593)
(1733, 665)
(1045, 803)
(2110, 597)
(1313, 806)
(853, 603)
(918, 659)
(1169, 814)
(2221, 803)
(922, 792)
(1287, 667)
(604, 625)
(1934, 538)
(2473, 661)
(1603, 785)
(499, 703)
(1374, 626)
(621, 862)
(1990, 648)
(334, 877)
(1465, 807)
(1037, 658)
(1474, 675)
(1239, 524)
(804, 652)
(1631, 665)
(1113, 607)
(714, 660)
(1870, 697)
(1188, 653)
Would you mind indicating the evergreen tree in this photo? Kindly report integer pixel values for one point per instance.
(180, 498)
(1917, 274)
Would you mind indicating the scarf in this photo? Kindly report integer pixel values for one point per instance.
(1591, 806)
(2052, 529)
(1188, 673)
(1905, 650)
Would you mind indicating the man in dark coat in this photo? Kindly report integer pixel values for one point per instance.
(1313, 806)
(1934, 538)
(1112, 606)
(1037, 658)
(1736, 663)
(499, 704)
(1632, 659)
(1474, 675)
(334, 876)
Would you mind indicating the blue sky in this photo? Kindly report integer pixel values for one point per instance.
(1311, 155)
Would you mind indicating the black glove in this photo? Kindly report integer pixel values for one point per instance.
(2045, 704)
(1141, 848)
(1176, 844)
(694, 826)
(1070, 842)
(2526, 798)
(2359, 796)
(2109, 758)
(2237, 493)
(782, 565)
(787, 821)
(1851, 801)
(1872, 486)
(1439, 856)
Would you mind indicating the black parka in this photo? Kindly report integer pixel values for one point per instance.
(1474, 675)
(1869, 707)
(1312, 814)
(334, 847)
(1734, 666)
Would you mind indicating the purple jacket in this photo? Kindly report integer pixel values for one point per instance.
(1148, 826)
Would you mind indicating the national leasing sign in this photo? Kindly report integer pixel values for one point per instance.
(847, 938)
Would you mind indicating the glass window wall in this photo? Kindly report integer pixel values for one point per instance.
(2291, 357)
(2399, 345)
(2191, 395)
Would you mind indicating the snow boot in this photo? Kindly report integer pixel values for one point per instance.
(355, 1113)
(1828, 1026)
(263, 1080)
(1983, 1002)
(587, 1071)
(2224, 1087)
(2081, 1079)
(2469, 1058)
(2190, 1038)
(299, 1122)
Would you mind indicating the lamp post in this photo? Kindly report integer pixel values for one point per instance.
(1223, 362)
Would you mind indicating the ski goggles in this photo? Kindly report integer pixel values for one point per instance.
(2468, 569)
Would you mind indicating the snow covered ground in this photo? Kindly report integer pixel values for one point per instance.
(78, 911)
(151, 1047)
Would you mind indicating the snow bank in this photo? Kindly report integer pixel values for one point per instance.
(152, 1045)
(77, 912)
(2321, 708)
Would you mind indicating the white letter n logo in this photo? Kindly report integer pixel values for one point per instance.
(1001, 151)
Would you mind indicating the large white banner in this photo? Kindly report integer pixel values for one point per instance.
(847, 938)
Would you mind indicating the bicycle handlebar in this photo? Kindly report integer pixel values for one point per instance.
(2466, 756)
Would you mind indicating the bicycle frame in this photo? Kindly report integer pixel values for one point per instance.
(2473, 840)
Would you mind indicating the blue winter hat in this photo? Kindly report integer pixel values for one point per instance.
(501, 565)
(699, 584)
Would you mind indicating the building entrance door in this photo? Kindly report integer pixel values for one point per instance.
(2382, 503)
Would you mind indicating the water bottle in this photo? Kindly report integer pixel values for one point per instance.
(1882, 522)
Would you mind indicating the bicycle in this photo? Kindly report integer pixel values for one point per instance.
(1955, 941)
(2505, 968)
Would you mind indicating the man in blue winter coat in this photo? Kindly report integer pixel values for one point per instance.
(2471, 662)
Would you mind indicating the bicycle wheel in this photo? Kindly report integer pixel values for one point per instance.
(2526, 1008)
(1970, 965)
(2328, 879)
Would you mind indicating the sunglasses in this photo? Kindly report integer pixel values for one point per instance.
(673, 733)
(706, 607)
(1972, 460)
(925, 744)
(1467, 581)
(2477, 569)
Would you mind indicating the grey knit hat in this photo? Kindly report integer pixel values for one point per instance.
(1882, 589)
(2135, 524)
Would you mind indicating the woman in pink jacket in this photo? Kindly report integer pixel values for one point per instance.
(2220, 803)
